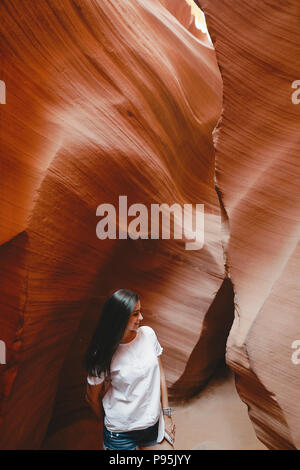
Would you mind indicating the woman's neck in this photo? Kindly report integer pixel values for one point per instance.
(129, 337)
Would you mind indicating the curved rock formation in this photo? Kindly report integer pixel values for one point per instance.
(117, 98)
(257, 151)
(121, 98)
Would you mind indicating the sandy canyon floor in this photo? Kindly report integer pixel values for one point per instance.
(216, 418)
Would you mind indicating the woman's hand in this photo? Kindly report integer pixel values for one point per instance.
(170, 426)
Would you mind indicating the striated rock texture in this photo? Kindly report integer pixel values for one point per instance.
(104, 98)
(257, 169)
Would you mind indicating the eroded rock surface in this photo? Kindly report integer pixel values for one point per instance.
(257, 163)
(104, 99)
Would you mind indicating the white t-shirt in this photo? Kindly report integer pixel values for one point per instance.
(133, 400)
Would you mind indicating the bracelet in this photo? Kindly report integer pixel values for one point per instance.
(167, 411)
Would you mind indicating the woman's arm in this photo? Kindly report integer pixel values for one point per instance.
(94, 396)
(170, 428)
(163, 385)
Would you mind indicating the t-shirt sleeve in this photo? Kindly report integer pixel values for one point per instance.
(95, 380)
(157, 347)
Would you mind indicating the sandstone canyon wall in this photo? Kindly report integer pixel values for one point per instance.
(121, 98)
(257, 172)
(103, 99)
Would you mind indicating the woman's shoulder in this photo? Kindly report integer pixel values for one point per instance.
(147, 330)
(149, 333)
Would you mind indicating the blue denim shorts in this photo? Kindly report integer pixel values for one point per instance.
(130, 440)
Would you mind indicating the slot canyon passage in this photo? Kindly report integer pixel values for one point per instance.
(128, 97)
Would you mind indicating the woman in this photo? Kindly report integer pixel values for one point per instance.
(126, 373)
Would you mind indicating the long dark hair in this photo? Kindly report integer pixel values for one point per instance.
(109, 331)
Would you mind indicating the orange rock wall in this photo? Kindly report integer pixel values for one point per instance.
(257, 170)
(103, 99)
(111, 98)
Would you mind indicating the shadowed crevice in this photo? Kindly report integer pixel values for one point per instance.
(209, 352)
